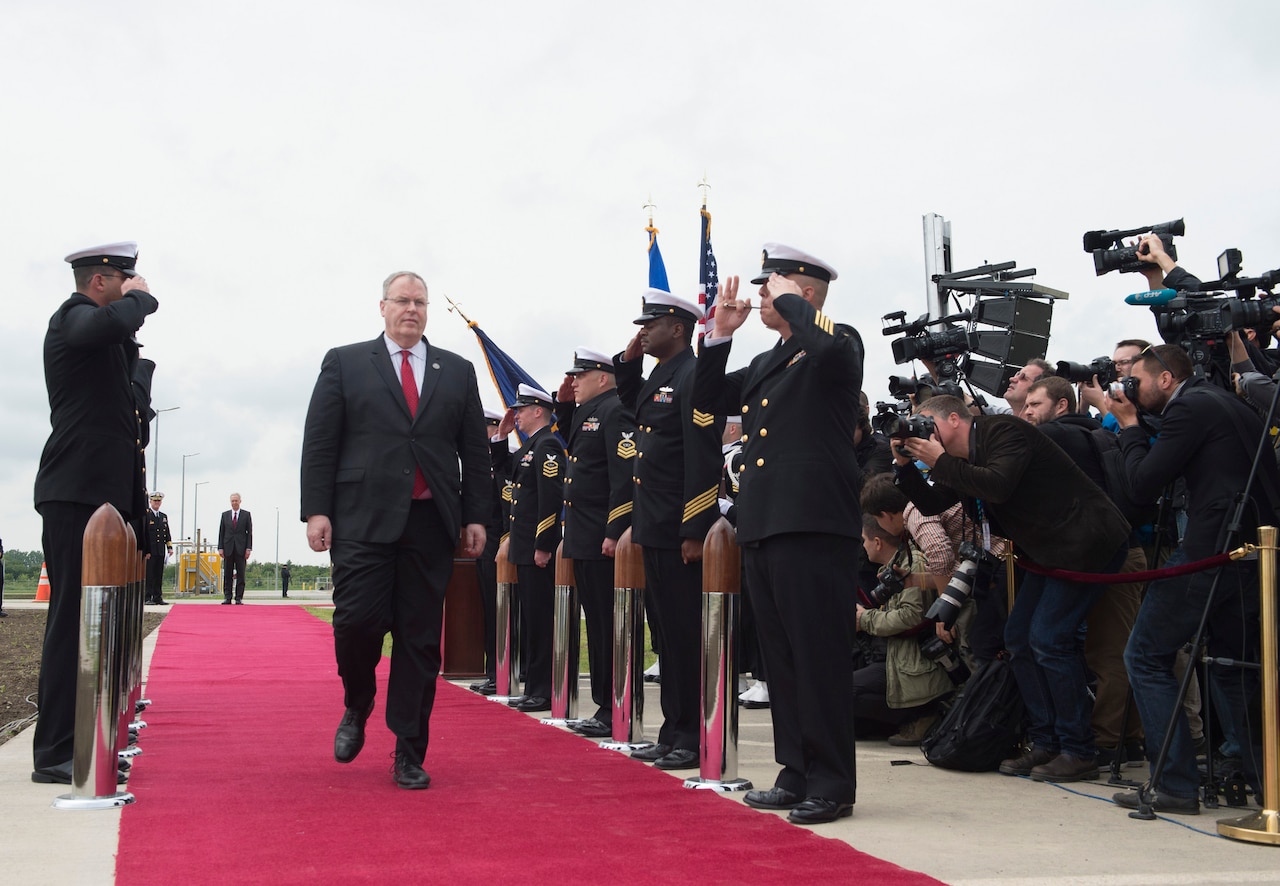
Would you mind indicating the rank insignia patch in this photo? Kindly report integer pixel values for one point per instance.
(551, 468)
(627, 446)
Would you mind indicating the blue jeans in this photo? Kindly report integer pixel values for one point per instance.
(1168, 619)
(1045, 640)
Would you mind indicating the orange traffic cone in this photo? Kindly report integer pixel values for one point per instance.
(42, 589)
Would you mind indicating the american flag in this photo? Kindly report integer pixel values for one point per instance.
(708, 280)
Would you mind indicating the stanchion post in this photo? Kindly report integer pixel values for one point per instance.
(564, 645)
(721, 583)
(103, 578)
(504, 668)
(628, 647)
(129, 625)
(1264, 826)
(1011, 584)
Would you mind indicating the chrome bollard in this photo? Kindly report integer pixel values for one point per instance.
(628, 648)
(104, 578)
(721, 582)
(505, 669)
(564, 645)
(1263, 826)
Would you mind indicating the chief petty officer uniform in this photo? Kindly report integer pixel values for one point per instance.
(799, 524)
(537, 498)
(159, 543)
(597, 497)
(677, 476)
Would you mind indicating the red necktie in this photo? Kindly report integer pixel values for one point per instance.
(233, 519)
(410, 386)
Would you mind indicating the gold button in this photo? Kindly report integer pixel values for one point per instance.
(637, 481)
(639, 455)
(649, 430)
(745, 409)
(759, 462)
(517, 486)
(744, 437)
(764, 432)
(764, 402)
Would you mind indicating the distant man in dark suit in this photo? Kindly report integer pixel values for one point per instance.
(395, 468)
(285, 575)
(677, 476)
(536, 471)
(235, 546)
(159, 544)
(600, 434)
(797, 519)
(93, 456)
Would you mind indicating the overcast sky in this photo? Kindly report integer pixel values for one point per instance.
(275, 160)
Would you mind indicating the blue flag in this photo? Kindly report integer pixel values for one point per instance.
(657, 270)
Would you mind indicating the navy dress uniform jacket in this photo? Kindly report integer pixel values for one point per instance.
(598, 488)
(799, 405)
(677, 463)
(537, 497)
(155, 529)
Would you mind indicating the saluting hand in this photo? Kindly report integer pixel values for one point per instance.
(731, 312)
(634, 350)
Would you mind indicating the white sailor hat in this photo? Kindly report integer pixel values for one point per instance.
(588, 361)
(121, 256)
(657, 303)
(781, 259)
(528, 395)
(491, 416)
(157, 496)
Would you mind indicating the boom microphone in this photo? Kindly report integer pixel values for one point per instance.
(1152, 297)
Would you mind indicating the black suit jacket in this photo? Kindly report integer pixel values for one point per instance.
(1200, 442)
(361, 446)
(94, 451)
(677, 463)
(597, 492)
(799, 405)
(1032, 491)
(239, 539)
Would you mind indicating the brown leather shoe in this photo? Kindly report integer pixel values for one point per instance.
(1065, 767)
(1030, 760)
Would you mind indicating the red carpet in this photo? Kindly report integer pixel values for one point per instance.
(237, 784)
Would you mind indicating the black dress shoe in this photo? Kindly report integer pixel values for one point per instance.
(534, 703)
(485, 687)
(61, 774)
(651, 753)
(239, 602)
(350, 736)
(516, 701)
(592, 728)
(680, 758)
(774, 798)
(409, 773)
(815, 810)
(1162, 803)
(226, 602)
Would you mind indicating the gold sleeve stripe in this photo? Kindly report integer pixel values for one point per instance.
(703, 419)
(545, 525)
(823, 322)
(700, 504)
(505, 536)
(619, 511)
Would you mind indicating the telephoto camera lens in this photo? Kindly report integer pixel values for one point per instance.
(936, 649)
(951, 600)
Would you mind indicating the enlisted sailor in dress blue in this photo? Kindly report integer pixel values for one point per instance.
(121, 256)
(585, 360)
(528, 395)
(778, 258)
(657, 303)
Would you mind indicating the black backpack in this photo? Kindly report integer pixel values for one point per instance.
(1106, 445)
(983, 726)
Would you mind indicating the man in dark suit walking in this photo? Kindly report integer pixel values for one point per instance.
(235, 546)
(395, 466)
(797, 519)
(93, 455)
(159, 544)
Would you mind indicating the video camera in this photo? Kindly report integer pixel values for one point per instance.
(1109, 254)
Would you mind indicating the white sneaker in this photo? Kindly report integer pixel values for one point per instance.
(653, 674)
(756, 697)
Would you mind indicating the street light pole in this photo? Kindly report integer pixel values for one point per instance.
(155, 451)
(182, 520)
(277, 548)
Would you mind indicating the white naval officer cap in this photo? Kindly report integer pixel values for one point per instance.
(587, 361)
(528, 395)
(782, 259)
(121, 256)
(657, 303)
(492, 416)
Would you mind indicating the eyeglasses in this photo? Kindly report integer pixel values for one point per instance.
(400, 302)
(1150, 349)
(114, 276)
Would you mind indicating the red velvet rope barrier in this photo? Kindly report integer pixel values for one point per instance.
(1126, 577)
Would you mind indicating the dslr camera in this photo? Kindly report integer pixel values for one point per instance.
(977, 565)
(888, 584)
(936, 649)
(1109, 253)
(1103, 367)
(903, 426)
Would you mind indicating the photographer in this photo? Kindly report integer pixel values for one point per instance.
(1162, 271)
(902, 689)
(1209, 439)
(1025, 487)
(1093, 394)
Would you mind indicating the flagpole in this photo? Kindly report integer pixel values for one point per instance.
(453, 308)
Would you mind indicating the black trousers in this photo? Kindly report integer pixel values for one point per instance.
(155, 575)
(594, 579)
(487, 578)
(674, 589)
(537, 613)
(63, 541)
(233, 570)
(397, 587)
(802, 591)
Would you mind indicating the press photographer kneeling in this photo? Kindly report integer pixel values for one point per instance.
(1018, 483)
(1210, 439)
